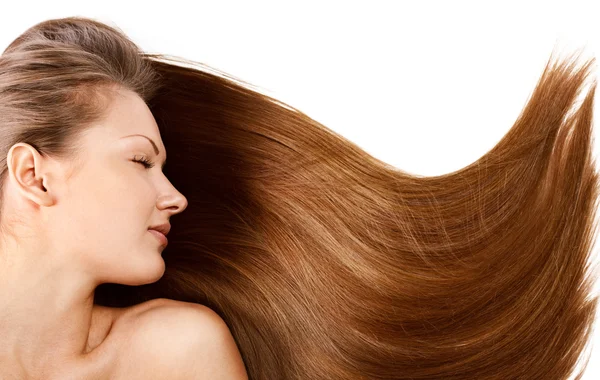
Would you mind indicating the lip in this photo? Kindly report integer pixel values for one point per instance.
(160, 236)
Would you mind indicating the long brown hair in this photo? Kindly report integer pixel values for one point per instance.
(325, 262)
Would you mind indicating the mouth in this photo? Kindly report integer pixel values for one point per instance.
(160, 236)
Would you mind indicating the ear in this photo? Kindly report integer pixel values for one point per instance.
(28, 169)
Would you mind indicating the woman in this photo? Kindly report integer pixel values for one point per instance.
(298, 256)
(83, 206)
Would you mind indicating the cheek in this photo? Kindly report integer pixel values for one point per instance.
(102, 217)
(132, 197)
(111, 203)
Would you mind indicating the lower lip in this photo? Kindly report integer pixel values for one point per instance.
(162, 238)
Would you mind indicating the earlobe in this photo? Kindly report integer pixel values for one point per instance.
(25, 167)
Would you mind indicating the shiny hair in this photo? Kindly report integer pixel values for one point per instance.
(325, 262)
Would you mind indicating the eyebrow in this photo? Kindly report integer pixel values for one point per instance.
(156, 151)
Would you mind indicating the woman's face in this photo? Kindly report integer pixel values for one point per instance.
(103, 210)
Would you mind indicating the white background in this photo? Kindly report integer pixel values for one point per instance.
(427, 86)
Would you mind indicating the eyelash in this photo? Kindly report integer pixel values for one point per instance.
(147, 164)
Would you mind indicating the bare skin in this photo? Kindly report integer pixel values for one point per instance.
(108, 336)
(69, 226)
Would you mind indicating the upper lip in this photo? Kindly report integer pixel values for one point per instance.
(162, 228)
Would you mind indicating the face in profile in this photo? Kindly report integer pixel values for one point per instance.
(103, 210)
(121, 192)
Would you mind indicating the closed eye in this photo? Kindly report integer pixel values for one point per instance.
(144, 161)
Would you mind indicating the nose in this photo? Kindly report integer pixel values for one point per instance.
(174, 202)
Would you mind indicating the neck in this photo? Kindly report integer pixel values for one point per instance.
(45, 315)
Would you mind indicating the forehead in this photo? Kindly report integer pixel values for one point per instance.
(127, 114)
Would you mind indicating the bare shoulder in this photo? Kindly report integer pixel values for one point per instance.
(170, 339)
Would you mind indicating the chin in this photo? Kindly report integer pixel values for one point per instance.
(150, 271)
